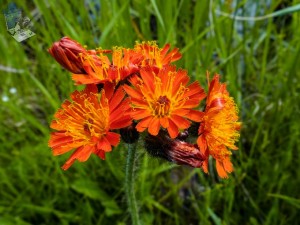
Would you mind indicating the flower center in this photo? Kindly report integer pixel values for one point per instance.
(87, 120)
(87, 126)
(162, 106)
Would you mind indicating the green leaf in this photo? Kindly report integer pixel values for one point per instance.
(293, 201)
(160, 207)
(281, 12)
(214, 217)
(160, 19)
(8, 220)
(91, 190)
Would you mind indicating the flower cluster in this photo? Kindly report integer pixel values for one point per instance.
(139, 90)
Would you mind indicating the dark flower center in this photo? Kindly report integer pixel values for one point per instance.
(162, 106)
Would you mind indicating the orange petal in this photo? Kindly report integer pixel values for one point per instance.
(103, 144)
(172, 129)
(113, 138)
(91, 88)
(181, 79)
(85, 153)
(164, 122)
(116, 99)
(220, 169)
(58, 139)
(180, 122)
(154, 126)
(143, 124)
(227, 165)
(165, 49)
(66, 103)
(100, 154)
(138, 114)
(86, 79)
(140, 103)
(116, 115)
(148, 78)
(109, 89)
(181, 112)
(132, 92)
(192, 103)
(194, 89)
(195, 115)
(125, 121)
(201, 142)
(68, 164)
(205, 166)
(81, 154)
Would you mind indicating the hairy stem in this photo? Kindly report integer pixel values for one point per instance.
(129, 184)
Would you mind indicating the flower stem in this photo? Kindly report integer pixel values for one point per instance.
(129, 184)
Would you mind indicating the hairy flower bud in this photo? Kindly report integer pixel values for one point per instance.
(173, 150)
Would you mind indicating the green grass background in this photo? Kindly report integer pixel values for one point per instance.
(259, 60)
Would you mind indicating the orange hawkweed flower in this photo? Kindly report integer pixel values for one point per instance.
(219, 128)
(162, 98)
(99, 69)
(155, 56)
(85, 123)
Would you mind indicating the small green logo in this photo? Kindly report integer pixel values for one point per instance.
(18, 25)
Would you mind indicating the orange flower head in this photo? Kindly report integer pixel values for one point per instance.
(219, 128)
(85, 123)
(100, 69)
(155, 56)
(162, 98)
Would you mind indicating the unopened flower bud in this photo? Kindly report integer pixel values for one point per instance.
(174, 150)
(183, 135)
(67, 53)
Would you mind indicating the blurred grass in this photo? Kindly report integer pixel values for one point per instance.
(258, 59)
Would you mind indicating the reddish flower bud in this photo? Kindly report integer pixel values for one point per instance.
(184, 153)
(66, 52)
(174, 150)
(182, 136)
